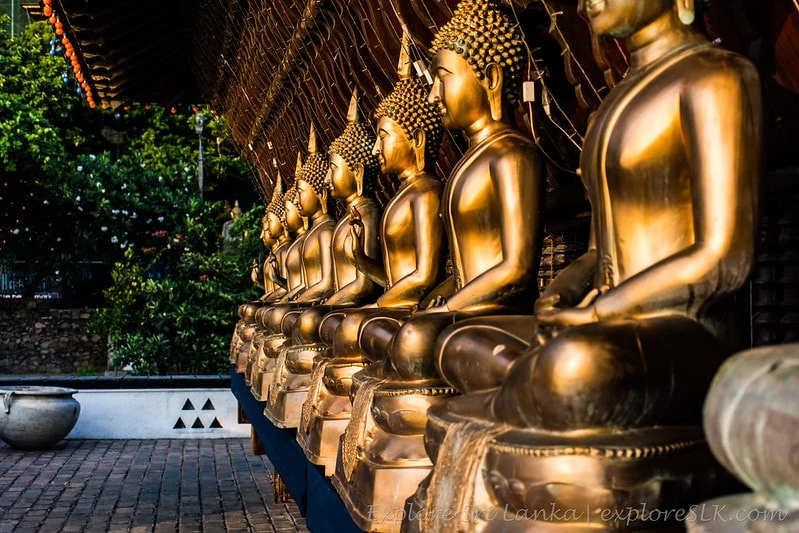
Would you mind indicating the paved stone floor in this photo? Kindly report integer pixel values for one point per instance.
(138, 486)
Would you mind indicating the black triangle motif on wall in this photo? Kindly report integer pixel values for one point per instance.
(188, 406)
(197, 424)
(215, 424)
(179, 424)
(208, 406)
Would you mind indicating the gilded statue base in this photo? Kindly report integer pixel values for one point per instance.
(245, 343)
(326, 412)
(292, 381)
(263, 371)
(511, 479)
(252, 355)
(382, 457)
(375, 491)
(235, 342)
(741, 513)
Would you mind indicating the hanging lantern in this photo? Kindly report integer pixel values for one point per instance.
(47, 11)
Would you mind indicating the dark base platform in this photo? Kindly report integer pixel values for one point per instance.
(318, 501)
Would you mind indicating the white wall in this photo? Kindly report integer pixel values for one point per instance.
(153, 414)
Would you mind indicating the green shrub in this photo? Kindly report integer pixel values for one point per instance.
(182, 322)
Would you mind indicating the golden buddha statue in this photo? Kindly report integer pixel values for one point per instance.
(294, 222)
(258, 272)
(604, 408)
(260, 278)
(317, 262)
(289, 272)
(353, 172)
(275, 265)
(272, 318)
(491, 208)
(242, 347)
(409, 134)
(275, 268)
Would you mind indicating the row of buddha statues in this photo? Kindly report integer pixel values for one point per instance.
(472, 402)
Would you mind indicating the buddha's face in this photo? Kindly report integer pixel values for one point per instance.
(340, 178)
(266, 238)
(622, 18)
(274, 226)
(393, 148)
(309, 202)
(293, 217)
(457, 90)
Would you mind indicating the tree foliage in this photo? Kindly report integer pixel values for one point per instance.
(120, 187)
(180, 322)
(70, 172)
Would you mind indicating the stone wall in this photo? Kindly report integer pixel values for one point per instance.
(37, 338)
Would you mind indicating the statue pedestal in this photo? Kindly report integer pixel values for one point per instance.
(374, 492)
(741, 513)
(511, 479)
(291, 384)
(235, 342)
(382, 457)
(263, 372)
(246, 334)
(327, 411)
(252, 356)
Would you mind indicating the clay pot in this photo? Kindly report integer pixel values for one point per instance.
(36, 418)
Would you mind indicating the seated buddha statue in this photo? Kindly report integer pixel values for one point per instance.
(316, 263)
(270, 318)
(258, 273)
(260, 278)
(317, 259)
(491, 208)
(275, 229)
(241, 347)
(604, 407)
(352, 174)
(269, 336)
(275, 272)
(246, 312)
(409, 134)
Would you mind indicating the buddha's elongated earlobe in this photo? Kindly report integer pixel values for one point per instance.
(493, 84)
(686, 11)
(359, 173)
(419, 148)
(323, 200)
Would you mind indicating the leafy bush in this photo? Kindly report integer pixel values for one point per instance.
(174, 313)
(119, 187)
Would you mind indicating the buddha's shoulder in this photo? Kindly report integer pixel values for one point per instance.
(369, 207)
(426, 185)
(714, 64)
(326, 227)
(511, 143)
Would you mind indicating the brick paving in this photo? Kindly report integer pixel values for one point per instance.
(139, 486)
